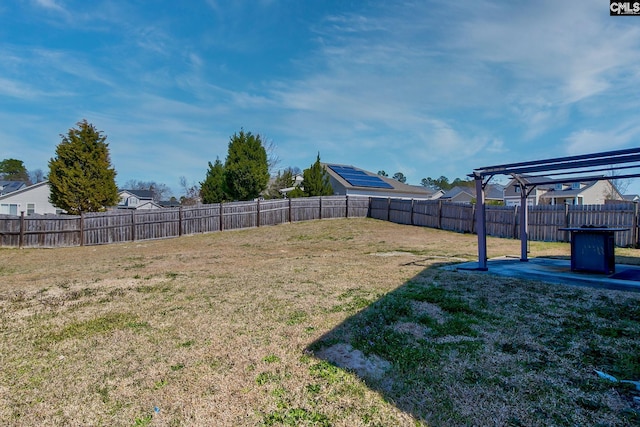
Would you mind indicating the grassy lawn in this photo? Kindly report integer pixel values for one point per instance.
(344, 322)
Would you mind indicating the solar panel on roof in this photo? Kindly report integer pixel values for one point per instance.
(358, 178)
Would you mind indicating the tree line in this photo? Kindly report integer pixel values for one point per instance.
(82, 178)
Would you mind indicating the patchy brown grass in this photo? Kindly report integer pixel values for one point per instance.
(247, 327)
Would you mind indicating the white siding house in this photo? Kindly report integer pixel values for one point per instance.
(30, 200)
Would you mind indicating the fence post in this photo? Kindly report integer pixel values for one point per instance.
(473, 218)
(180, 221)
(133, 225)
(439, 214)
(412, 211)
(515, 222)
(634, 232)
(388, 208)
(221, 219)
(81, 228)
(290, 218)
(566, 221)
(258, 213)
(346, 202)
(21, 238)
(320, 207)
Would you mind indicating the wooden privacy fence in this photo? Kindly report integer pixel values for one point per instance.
(126, 226)
(504, 221)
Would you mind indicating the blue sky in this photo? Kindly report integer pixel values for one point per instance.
(426, 88)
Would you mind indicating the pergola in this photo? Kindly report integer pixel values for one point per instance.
(624, 163)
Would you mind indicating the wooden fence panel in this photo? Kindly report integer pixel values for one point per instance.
(501, 221)
(45, 231)
(400, 211)
(358, 206)
(101, 228)
(457, 217)
(544, 222)
(274, 212)
(156, 223)
(426, 213)
(200, 219)
(305, 209)
(238, 215)
(334, 207)
(379, 208)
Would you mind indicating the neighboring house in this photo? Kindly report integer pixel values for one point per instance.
(556, 192)
(297, 182)
(33, 199)
(459, 194)
(352, 181)
(137, 199)
(7, 187)
(493, 193)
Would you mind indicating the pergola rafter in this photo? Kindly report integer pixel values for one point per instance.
(571, 168)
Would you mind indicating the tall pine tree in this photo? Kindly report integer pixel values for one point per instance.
(246, 170)
(316, 180)
(81, 176)
(212, 189)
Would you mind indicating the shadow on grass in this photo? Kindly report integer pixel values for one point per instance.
(454, 348)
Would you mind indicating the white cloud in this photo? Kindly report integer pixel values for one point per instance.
(590, 141)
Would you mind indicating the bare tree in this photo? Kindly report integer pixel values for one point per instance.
(272, 158)
(191, 192)
(619, 185)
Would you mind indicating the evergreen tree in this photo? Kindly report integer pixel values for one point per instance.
(81, 176)
(212, 189)
(13, 170)
(246, 170)
(316, 180)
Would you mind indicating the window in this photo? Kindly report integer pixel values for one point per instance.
(558, 187)
(31, 208)
(518, 189)
(9, 209)
(575, 186)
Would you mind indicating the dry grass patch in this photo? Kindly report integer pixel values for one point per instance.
(249, 328)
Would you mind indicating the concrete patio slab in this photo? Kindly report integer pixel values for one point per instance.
(553, 270)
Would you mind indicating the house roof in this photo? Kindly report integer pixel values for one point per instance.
(491, 192)
(140, 194)
(569, 192)
(457, 190)
(11, 186)
(396, 186)
(24, 189)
